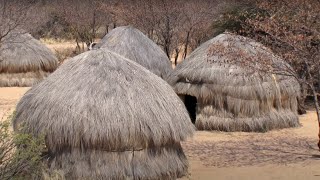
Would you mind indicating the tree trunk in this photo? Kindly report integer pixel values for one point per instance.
(82, 43)
(315, 97)
(301, 106)
(167, 37)
(176, 57)
(107, 29)
(317, 106)
(186, 46)
(78, 45)
(93, 27)
(319, 81)
(302, 98)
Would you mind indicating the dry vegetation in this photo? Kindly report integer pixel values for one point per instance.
(62, 48)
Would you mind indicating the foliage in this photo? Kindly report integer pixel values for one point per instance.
(20, 154)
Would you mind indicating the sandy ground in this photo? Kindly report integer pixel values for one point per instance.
(8, 100)
(280, 154)
(287, 154)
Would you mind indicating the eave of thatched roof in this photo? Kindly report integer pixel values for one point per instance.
(134, 45)
(21, 53)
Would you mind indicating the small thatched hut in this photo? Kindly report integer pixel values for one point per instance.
(24, 61)
(134, 45)
(106, 117)
(225, 87)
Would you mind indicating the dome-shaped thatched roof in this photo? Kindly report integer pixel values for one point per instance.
(225, 75)
(106, 117)
(24, 61)
(134, 45)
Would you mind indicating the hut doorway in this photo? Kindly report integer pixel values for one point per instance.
(191, 105)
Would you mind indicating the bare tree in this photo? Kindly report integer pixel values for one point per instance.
(15, 17)
(84, 18)
(291, 29)
(176, 25)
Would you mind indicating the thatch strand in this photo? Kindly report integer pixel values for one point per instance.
(107, 117)
(134, 45)
(232, 97)
(24, 61)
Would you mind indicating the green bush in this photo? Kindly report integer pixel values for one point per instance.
(20, 154)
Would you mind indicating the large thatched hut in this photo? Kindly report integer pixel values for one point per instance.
(226, 87)
(134, 45)
(106, 117)
(24, 61)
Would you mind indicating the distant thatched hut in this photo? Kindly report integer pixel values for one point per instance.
(106, 117)
(24, 61)
(134, 45)
(222, 91)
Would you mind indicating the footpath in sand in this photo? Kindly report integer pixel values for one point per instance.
(287, 154)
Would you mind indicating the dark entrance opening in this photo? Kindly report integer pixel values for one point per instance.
(191, 105)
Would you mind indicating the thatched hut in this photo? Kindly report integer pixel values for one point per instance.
(226, 87)
(24, 61)
(134, 45)
(106, 117)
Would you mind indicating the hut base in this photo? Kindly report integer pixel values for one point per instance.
(158, 163)
(273, 120)
(21, 79)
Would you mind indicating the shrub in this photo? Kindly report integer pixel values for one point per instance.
(20, 154)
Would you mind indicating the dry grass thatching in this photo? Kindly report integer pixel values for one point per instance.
(134, 45)
(231, 94)
(106, 117)
(24, 61)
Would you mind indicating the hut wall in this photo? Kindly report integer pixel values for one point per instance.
(168, 162)
(225, 113)
(21, 79)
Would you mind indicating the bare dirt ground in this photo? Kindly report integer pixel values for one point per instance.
(9, 97)
(279, 154)
(287, 154)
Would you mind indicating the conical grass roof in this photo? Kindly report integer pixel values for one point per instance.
(24, 61)
(106, 117)
(134, 45)
(225, 75)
